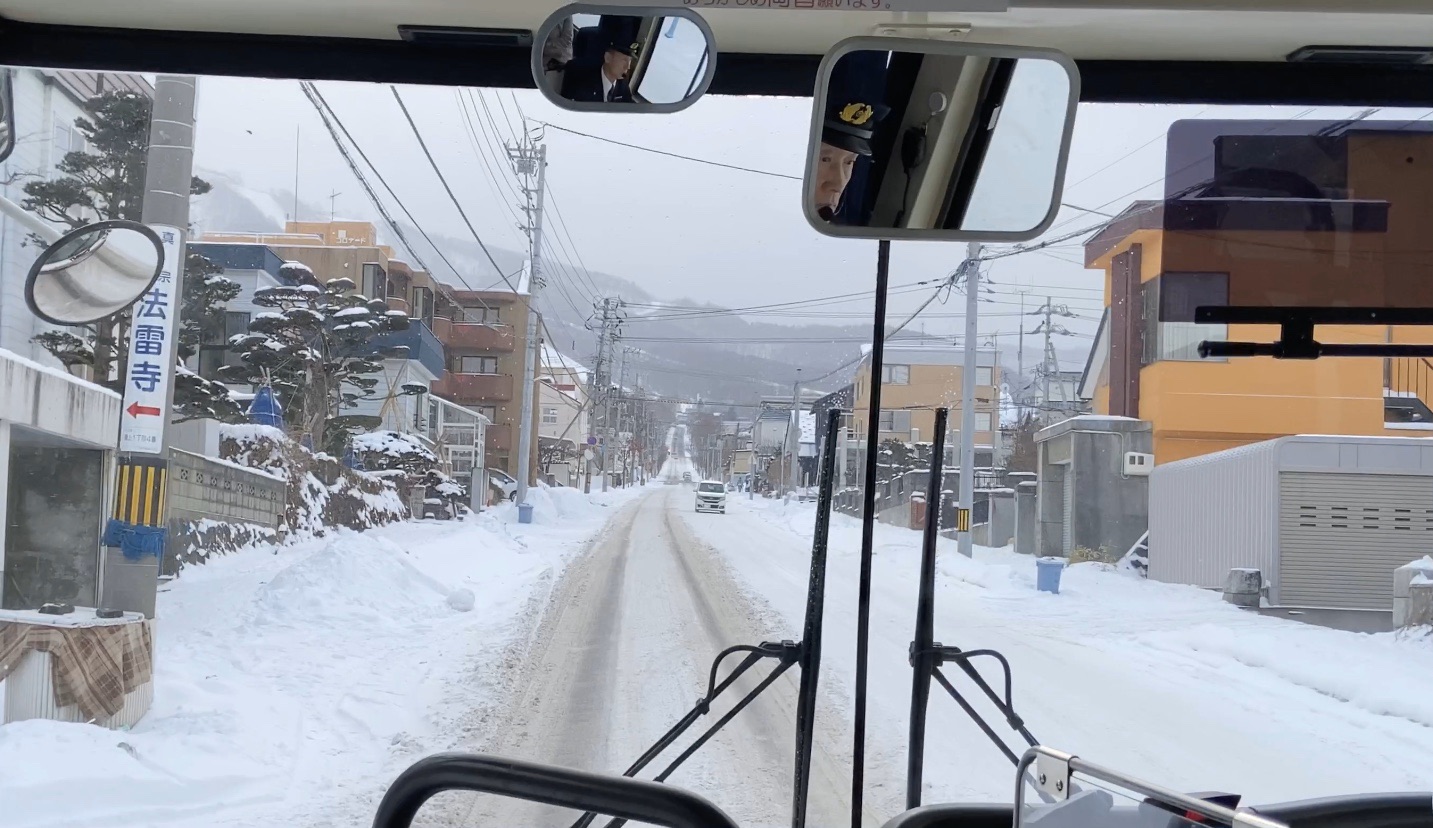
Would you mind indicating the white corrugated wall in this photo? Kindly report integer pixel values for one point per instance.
(1213, 513)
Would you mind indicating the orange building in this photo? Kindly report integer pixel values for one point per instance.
(1356, 244)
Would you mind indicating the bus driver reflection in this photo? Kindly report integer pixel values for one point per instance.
(845, 135)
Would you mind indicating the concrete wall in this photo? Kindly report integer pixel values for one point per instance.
(205, 490)
(1109, 510)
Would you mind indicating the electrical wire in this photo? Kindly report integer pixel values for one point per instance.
(321, 104)
(672, 154)
(453, 197)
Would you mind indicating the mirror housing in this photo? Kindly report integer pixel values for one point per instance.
(934, 140)
(7, 112)
(623, 59)
(94, 272)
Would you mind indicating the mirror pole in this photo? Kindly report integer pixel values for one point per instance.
(868, 537)
(967, 396)
(134, 538)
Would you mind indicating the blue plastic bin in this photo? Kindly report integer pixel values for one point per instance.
(524, 515)
(1047, 574)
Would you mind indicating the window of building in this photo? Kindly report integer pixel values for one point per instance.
(490, 315)
(489, 411)
(895, 374)
(375, 280)
(423, 305)
(549, 416)
(984, 375)
(1169, 330)
(982, 421)
(477, 365)
(898, 422)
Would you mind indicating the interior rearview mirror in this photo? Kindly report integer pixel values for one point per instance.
(7, 113)
(94, 272)
(915, 139)
(621, 60)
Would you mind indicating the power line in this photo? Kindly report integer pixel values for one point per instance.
(454, 198)
(672, 154)
(316, 98)
(481, 152)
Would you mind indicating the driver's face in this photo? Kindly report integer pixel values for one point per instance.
(616, 64)
(833, 173)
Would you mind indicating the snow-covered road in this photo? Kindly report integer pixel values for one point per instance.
(1163, 681)
(624, 652)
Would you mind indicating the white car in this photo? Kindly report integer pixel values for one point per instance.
(711, 496)
(503, 483)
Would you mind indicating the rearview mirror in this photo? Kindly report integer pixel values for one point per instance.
(612, 59)
(7, 113)
(914, 139)
(94, 272)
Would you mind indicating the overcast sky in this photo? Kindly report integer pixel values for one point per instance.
(682, 230)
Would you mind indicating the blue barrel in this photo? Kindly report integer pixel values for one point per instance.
(524, 515)
(1047, 574)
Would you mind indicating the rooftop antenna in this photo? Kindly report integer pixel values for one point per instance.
(332, 197)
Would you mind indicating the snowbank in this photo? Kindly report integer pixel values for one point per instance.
(1165, 681)
(293, 683)
(322, 492)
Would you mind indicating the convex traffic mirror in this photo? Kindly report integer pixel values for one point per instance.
(94, 272)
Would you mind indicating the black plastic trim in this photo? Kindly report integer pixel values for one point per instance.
(738, 73)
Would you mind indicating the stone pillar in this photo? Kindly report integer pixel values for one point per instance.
(1242, 587)
(1420, 604)
(1026, 517)
(1002, 516)
(1403, 577)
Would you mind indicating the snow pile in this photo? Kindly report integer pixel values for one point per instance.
(394, 444)
(294, 682)
(322, 492)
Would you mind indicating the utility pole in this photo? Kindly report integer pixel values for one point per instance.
(135, 537)
(1020, 352)
(1045, 366)
(793, 436)
(530, 163)
(600, 387)
(967, 394)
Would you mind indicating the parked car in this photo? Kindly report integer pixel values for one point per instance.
(711, 496)
(503, 482)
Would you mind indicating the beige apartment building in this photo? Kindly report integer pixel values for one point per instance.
(917, 379)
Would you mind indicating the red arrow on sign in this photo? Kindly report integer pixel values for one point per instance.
(135, 409)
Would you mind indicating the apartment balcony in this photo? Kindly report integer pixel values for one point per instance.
(470, 336)
(394, 303)
(499, 438)
(423, 346)
(471, 389)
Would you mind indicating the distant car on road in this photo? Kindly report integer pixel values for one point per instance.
(711, 496)
(686, 477)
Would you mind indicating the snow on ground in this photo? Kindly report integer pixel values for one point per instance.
(293, 683)
(1163, 681)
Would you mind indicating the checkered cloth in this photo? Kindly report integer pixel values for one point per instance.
(92, 668)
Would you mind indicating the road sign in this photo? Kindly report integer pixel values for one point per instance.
(152, 354)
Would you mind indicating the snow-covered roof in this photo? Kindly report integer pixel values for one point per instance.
(554, 361)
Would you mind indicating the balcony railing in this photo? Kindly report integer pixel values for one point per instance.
(472, 336)
(468, 389)
(423, 346)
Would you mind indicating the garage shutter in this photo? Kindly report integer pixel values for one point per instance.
(1342, 535)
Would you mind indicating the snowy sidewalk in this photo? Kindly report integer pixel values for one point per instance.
(1163, 681)
(293, 685)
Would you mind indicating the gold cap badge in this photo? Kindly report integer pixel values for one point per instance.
(856, 114)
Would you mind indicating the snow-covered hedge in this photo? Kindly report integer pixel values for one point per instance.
(322, 493)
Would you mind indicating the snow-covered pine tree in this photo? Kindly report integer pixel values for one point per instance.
(317, 349)
(106, 181)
